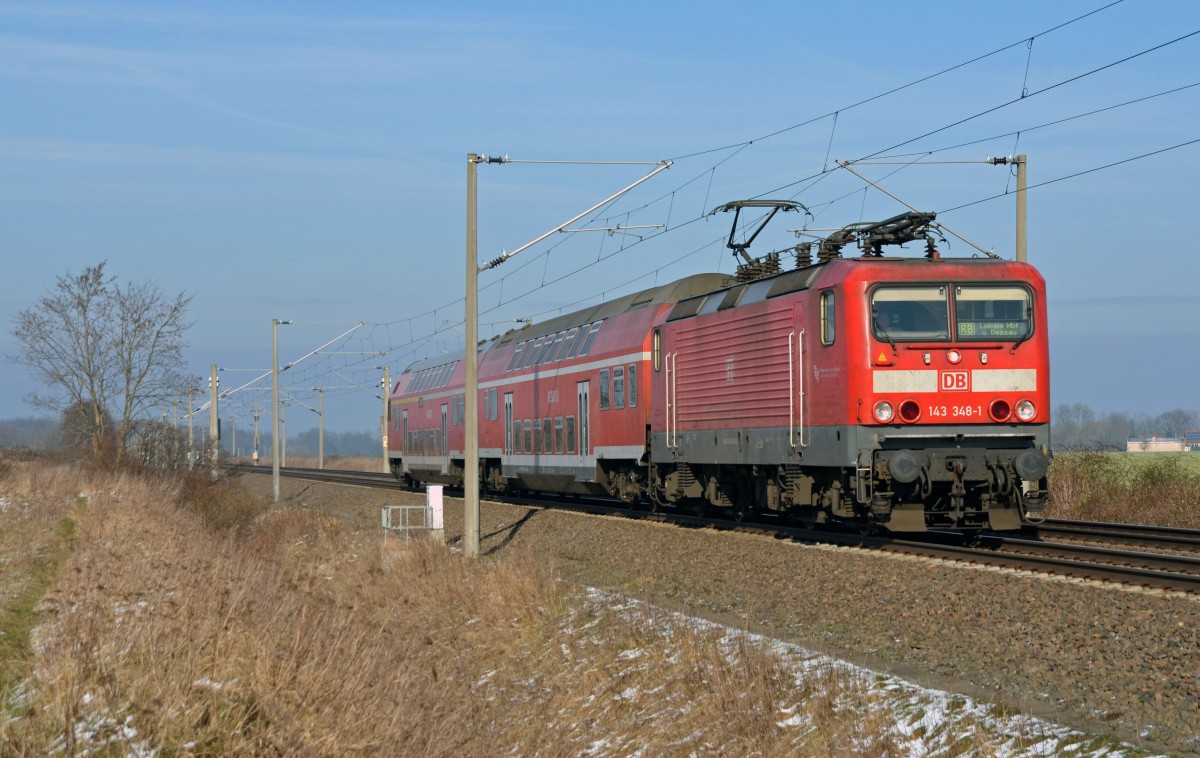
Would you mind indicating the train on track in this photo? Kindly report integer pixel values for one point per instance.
(902, 393)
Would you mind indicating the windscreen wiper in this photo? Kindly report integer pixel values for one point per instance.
(1028, 331)
(879, 326)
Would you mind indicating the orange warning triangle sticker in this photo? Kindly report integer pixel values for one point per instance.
(882, 359)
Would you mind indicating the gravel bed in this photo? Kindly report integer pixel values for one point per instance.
(1103, 659)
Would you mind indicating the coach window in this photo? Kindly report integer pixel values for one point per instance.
(512, 364)
(532, 353)
(528, 437)
(828, 317)
(537, 435)
(578, 343)
(548, 434)
(566, 343)
(553, 348)
(618, 397)
(631, 377)
(569, 423)
(541, 354)
(495, 404)
(656, 350)
(603, 389)
(587, 344)
(558, 434)
(516, 440)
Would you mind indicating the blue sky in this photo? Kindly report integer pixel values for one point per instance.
(307, 161)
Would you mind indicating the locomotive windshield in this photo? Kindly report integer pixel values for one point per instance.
(907, 314)
(982, 312)
(922, 313)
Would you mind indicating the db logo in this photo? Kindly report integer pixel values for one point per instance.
(955, 381)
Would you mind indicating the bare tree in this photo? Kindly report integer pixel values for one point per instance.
(1175, 422)
(102, 348)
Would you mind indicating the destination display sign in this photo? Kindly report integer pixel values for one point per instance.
(992, 329)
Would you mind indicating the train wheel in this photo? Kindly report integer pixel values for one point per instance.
(741, 513)
(806, 516)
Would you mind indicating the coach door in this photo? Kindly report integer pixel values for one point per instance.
(508, 422)
(581, 391)
(444, 450)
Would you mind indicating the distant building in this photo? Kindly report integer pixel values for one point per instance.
(1162, 444)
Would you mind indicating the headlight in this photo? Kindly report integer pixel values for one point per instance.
(884, 411)
(910, 411)
(1026, 410)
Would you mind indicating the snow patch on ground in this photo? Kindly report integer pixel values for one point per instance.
(926, 721)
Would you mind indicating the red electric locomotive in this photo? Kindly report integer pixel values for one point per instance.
(906, 393)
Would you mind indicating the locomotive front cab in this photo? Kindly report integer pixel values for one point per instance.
(957, 400)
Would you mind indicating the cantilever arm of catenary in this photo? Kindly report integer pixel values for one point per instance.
(306, 356)
(505, 255)
(846, 165)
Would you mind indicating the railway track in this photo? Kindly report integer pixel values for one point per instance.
(1159, 537)
(1169, 567)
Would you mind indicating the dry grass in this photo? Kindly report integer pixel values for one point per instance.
(1156, 489)
(190, 619)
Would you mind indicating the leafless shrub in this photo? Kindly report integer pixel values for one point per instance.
(1148, 489)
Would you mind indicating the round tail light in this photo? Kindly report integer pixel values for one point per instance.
(883, 411)
(1026, 410)
(1000, 410)
(910, 411)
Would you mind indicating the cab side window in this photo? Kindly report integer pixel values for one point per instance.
(828, 317)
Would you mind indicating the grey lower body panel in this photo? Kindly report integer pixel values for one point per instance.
(836, 446)
(821, 446)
